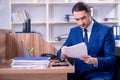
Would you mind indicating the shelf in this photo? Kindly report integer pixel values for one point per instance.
(62, 22)
(109, 22)
(28, 4)
(65, 3)
(71, 22)
(89, 3)
(102, 3)
(61, 3)
(48, 16)
(34, 23)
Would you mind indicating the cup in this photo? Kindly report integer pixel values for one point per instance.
(28, 53)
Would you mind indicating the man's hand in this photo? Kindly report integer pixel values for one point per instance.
(89, 60)
(63, 52)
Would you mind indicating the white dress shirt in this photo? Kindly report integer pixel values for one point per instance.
(89, 29)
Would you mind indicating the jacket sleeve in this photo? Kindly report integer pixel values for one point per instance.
(109, 50)
(67, 43)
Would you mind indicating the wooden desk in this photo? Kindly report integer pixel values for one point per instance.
(51, 73)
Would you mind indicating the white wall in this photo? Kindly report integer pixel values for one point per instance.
(4, 14)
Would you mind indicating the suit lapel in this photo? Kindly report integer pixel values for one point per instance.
(81, 35)
(93, 34)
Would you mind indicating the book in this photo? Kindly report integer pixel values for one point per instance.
(31, 58)
(25, 15)
(30, 62)
(15, 17)
(19, 16)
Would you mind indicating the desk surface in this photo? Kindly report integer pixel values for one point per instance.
(6, 69)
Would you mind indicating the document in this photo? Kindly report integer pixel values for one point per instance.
(30, 62)
(76, 51)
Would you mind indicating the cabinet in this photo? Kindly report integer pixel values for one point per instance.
(48, 16)
(18, 43)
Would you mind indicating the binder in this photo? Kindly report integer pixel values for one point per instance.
(116, 32)
(31, 58)
(27, 26)
(30, 62)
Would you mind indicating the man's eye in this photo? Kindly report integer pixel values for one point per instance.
(83, 17)
(77, 19)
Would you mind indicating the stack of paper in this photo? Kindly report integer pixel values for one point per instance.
(30, 62)
(76, 51)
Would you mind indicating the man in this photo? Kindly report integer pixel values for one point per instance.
(99, 63)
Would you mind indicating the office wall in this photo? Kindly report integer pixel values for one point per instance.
(4, 14)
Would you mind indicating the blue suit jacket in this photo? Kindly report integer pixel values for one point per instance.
(101, 45)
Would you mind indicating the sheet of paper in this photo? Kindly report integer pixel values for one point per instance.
(76, 51)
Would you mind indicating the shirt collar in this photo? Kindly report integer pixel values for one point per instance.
(89, 28)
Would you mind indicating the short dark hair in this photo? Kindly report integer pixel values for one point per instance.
(80, 6)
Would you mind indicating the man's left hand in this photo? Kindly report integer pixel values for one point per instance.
(88, 59)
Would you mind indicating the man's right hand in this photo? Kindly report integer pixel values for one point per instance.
(63, 52)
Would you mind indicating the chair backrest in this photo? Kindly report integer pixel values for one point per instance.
(117, 64)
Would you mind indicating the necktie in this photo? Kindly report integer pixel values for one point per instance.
(85, 37)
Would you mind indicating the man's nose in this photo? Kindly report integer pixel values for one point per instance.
(80, 22)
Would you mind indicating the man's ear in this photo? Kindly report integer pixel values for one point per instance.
(89, 13)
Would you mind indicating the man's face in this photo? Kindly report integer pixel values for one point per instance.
(82, 18)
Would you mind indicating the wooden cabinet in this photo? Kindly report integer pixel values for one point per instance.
(29, 40)
(3, 44)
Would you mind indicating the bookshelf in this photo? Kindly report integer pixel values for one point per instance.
(48, 16)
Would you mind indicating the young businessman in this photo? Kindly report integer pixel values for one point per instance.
(99, 63)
